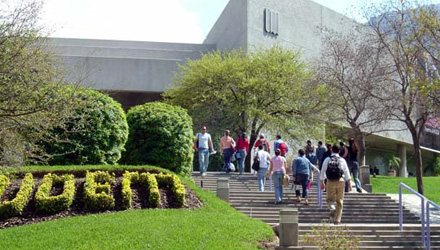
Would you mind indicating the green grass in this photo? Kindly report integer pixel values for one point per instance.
(390, 185)
(215, 226)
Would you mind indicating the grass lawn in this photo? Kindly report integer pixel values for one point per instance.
(215, 226)
(390, 185)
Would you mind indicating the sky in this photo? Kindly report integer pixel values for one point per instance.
(180, 21)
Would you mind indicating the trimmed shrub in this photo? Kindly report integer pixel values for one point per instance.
(126, 191)
(97, 133)
(45, 203)
(161, 135)
(147, 181)
(173, 182)
(4, 183)
(97, 189)
(16, 205)
(150, 181)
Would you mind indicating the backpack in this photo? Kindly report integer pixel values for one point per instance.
(334, 171)
(264, 143)
(256, 164)
(283, 148)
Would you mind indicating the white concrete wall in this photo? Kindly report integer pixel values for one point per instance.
(230, 30)
(125, 65)
(299, 25)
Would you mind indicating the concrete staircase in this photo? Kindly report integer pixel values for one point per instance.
(373, 218)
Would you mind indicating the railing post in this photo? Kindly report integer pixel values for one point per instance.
(400, 209)
(428, 231)
(423, 222)
(223, 189)
(288, 229)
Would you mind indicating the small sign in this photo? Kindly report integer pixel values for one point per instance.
(271, 21)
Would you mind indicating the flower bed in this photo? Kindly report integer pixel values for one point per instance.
(63, 194)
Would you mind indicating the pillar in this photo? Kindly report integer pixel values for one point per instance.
(223, 189)
(288, 229)
(401, 151)
(365, 178)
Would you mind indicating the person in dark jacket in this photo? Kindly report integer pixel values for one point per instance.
(320, 151)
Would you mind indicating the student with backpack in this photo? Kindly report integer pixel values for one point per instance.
(281, 145)
(333, 169)
(264, 142)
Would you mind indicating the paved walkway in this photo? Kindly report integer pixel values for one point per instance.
(413, 203)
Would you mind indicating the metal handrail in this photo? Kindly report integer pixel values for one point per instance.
(318, 185)
(423, 198)
(428, 231)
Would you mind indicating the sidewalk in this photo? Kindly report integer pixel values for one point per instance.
(413, 203)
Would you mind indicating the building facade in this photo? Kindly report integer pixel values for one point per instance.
(137, 72)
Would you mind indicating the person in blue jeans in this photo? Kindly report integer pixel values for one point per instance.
(353, 163)
(241, 149)
(302, 172)
(264, 158)
(278, 166)
(202, 144)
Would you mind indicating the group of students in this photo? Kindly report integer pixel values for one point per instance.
(335, 163)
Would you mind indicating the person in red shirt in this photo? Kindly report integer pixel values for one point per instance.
(241, 150)
(266, 144)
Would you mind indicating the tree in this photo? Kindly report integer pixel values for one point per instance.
(353, 71)
(394, 27)
(33, 98)
(269, 90)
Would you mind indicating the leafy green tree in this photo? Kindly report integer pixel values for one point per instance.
(267, 90)
(160, 134)
(33, 98)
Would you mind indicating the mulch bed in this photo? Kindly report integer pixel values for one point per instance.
(140, 201)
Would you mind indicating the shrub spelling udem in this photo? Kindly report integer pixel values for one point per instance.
(161, 135)
(100, 132)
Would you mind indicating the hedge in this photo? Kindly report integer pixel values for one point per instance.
(96, 133)
(97, 189)
(4, 183)
(16, 205)
(44, 203)
(173, 182)
(126, 192)
(161, 135)
(144, 180)
(150, 182)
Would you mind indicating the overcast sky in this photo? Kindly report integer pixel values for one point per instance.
(183, 21)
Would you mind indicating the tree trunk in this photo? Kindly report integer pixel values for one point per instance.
(418, 158)
(252, 140)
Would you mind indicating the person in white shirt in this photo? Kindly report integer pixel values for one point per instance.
(264, 166)
(202, 144)
(333, 169)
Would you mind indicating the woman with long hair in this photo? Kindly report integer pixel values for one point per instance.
(353, 163)
(278, 166)
(241, 149)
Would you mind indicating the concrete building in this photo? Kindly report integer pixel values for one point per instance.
(137, 72)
